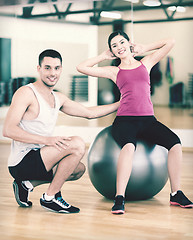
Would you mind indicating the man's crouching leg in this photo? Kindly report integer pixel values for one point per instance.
(68, 168)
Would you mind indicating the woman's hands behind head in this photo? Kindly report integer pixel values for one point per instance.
(108, 55)
(137, 49)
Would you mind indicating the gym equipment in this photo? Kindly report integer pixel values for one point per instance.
(149, 171)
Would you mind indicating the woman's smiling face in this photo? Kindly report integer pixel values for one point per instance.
(120, 46)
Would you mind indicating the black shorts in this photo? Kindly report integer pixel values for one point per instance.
(31, 168)
(129, 129)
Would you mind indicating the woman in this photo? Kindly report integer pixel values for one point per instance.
(135, 116)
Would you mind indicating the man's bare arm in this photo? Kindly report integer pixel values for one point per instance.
(21, 101)
(78, 110)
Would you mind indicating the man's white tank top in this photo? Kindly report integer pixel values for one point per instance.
(42, 125)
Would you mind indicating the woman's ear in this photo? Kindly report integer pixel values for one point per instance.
(131, 49)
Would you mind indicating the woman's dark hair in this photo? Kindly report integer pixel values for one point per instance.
(116, 61)
(49, 53)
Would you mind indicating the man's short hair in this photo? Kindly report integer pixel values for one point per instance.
(49, 53)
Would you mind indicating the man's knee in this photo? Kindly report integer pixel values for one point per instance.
(79, 146)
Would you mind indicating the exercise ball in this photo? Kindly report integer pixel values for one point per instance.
(149, 170)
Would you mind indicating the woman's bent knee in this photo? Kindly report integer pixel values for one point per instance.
(129, 147)
(176, 147)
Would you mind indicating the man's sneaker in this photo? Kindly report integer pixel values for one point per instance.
(57, 204)
(21, 194)
(179, 199)
(119, 207)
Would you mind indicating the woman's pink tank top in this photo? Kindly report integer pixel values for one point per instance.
(134, 86)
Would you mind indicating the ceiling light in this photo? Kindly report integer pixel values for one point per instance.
(177, 9)
(172, 8)
(152, 3)
(181, 9)
(110, 15)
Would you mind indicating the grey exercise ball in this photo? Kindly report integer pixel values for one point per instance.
(149, 171)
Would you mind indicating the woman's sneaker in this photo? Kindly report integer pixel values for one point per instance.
(21, 194)
(179, 199)
(119, 205)
(57, 204)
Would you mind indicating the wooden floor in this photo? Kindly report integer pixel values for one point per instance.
(144, 220)
(152, 219)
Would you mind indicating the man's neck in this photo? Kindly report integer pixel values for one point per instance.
(43, 87)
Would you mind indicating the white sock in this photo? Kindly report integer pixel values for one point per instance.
(48, 198)
(28, 184)
(173, 194)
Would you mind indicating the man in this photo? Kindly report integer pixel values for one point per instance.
(36, 156)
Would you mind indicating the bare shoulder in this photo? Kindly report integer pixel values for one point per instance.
(114, 71)
(22, 99)
(147, 62)
(25, 93)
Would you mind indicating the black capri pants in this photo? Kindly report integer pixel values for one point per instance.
(130, 129)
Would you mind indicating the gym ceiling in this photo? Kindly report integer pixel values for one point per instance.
(99, 12)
